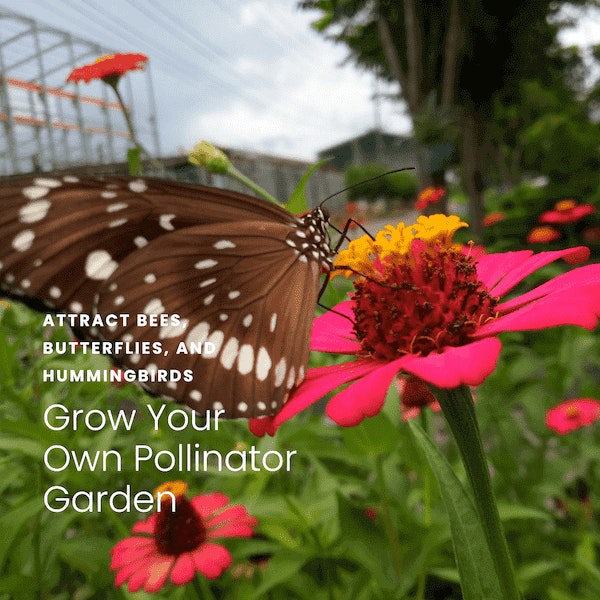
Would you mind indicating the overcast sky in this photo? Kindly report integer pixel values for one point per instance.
(243, 73)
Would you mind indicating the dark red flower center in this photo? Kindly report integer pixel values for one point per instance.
(178, 531)
(423, 304)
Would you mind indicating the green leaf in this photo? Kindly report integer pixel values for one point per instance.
(13, 521)
(376, 436)
(296, 203)
(477, 573)
(283, 566)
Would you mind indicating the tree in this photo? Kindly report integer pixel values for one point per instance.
(452, 60)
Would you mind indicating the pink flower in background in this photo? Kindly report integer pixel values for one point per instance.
(414, 396)
(572, 415)
(567, 211)
(176, 545)
(429, 310)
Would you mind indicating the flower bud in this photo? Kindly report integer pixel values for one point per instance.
(211, 158)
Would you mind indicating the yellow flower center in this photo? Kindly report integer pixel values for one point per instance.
(572, 411)
(177, 488)
(392, 245)
(565, 205)
(103, 58)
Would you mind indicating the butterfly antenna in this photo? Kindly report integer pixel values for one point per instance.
(351, 187)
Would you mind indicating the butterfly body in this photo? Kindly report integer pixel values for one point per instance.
(216, 266)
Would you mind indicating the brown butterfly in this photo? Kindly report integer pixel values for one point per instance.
(241, 273)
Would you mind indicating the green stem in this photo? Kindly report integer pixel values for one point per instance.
(422, 581)
(388, 522)
(202, 588)
(458, 408)
(130, 127)
(233, 172)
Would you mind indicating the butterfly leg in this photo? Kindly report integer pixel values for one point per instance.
(344, 233)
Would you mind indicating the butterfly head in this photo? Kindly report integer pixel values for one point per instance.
(310, 239)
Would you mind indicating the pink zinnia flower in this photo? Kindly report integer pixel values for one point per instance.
(573, 414)
(542, 235)
(567, 211)
(414, 396)
(176, 545)
(425, 308)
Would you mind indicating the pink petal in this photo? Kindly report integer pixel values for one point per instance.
(572, 281)
(183, 570)
(469, 364)
(146, 526)
(318, 382)
(157, 574)
(560, 308)
(211, 560)
(535, 262)
(492, 267)
(207, 504)
(131, 550)
(334, 333)
(232, 522)
(363, 398)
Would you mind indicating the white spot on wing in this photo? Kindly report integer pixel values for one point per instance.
(196, 395)
(165, 222)
(116, 206)
(170, 331)
(223, 317)
(50, 183)
(216, 338)
(247, 321)
(33, 192)
(263, 364)
(23, 240)
(230, 352)
(245, 359)
(205, 264)
(198, 334)
(208, 299)
(76, 307)
(154, 307)
(70, 179)
(34, 211)
(99, 265)
(273, 322)
(242, 407)
(119, 300)
(223, 244)
(108, 196)
(117, 223)
(140, 241)
(150, 278)
(291, 378)
(138, 185)
(207, 282)
(233, 295)
(280, 372)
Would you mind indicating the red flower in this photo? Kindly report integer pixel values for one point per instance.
(176, 544)
(429, 310)
(428, 196)
(108, 67)
(371, 513)
(567, 211)
(542, 235)
(493, 218)
(573, 414)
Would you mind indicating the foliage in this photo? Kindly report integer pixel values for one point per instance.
(401, 185)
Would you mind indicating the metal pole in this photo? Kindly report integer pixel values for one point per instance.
(8, 121)
(85, 142)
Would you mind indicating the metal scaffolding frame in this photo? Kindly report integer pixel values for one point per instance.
(45, 125)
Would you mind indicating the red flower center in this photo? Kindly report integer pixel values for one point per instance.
(178, 531)
(435, 300)
(572, 411)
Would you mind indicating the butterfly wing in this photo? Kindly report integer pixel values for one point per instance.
(238, 286)
(229, 265)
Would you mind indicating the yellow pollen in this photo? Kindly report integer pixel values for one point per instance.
(177, 488)
(103, 58)
(572, 411)
(565, 205)
(393, 244)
